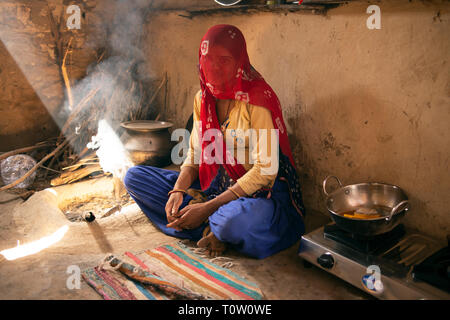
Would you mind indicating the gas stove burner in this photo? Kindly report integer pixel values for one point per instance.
(399, 264)
(368, 245)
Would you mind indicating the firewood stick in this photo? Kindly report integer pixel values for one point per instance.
(91, 157)
(49, 165)
(82, 153)
(22, 150)
(79, 165)
(101, 56)
(13, 184)
(157, 90)
(66, 77)
(154, 95)
(73, 138)
(50, 169)
(139, 104)
(68, 177)
(56, 155)
(77, 109)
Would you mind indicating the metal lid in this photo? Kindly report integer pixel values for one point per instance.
(146, 125)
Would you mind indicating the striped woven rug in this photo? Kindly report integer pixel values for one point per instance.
(167, 272)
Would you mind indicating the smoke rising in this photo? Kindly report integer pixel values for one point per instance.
(118, 85)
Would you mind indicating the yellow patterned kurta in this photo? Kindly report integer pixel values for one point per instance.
(259, 162)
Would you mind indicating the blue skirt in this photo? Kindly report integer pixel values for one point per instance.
(257, 227)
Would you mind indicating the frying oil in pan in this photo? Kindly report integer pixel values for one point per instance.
(367, 213)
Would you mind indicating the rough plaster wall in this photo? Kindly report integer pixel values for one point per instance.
(31, 87)
(20, 108)
(364, 105)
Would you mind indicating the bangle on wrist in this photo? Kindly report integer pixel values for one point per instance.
(175, 190)
(235, 193)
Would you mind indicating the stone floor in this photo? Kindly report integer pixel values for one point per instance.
(44, 275)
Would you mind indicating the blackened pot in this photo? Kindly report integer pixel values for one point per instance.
(148, 142)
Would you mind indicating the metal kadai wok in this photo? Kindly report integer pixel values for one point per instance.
(366, 209)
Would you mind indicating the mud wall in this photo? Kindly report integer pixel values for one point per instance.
(31, 82)
(364, 105)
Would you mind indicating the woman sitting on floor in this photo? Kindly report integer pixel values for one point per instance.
(254, 206)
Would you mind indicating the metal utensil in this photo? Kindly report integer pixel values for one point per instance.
(227, 2)
(387, 199)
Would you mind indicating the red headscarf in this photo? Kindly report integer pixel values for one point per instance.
(249, 86)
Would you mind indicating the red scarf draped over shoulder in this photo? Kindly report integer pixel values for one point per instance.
(249, 86)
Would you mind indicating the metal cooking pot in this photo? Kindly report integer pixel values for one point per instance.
(148, 142)
(388, 200)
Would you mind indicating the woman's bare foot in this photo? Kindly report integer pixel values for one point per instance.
(215, 246)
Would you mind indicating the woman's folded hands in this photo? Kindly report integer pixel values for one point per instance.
(191, 216)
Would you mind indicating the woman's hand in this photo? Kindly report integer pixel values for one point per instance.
(172, 206)
(191, 216)
(185, 179)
